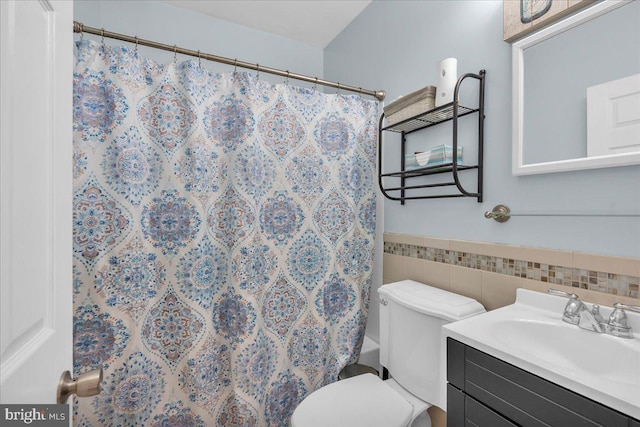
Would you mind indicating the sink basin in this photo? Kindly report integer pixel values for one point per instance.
(531, 335)
(577, 351)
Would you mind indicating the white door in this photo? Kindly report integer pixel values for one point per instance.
(35, 198)
(613, 117)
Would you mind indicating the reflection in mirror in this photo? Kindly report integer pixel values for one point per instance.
(555, 69)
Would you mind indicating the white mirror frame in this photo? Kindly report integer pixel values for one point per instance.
(517, 57)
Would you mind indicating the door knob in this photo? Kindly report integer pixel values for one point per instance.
(86, 385)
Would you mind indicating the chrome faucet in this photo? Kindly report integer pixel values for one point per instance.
(577, 313)
(592, 320)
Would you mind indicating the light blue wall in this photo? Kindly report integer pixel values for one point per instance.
(172, 25)
(395, 45)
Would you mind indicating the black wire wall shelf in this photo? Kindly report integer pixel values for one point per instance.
(430, 118)
(445, 113)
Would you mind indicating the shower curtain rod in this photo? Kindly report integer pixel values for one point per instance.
(81, 28)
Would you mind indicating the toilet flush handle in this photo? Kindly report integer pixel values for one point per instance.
(384, 301)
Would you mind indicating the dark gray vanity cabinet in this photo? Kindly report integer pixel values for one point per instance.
(486, 392)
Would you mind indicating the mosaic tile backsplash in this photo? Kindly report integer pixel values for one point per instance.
(611, 283)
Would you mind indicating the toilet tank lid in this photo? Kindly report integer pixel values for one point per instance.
(432, 301)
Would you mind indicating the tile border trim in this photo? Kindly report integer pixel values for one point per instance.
(609, 283)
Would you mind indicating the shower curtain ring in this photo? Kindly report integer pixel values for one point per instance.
(175, 54)
(235, 65)
(258, 73)
(80, 27)
(286, 81)
(315, 85)
(338, 91)
(136, 49)
(199, 60)
(102, 37)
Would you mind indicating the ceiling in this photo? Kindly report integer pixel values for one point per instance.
(313, 22)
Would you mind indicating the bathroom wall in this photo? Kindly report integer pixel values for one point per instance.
(491, 273)
(173, 25)
(395, 46)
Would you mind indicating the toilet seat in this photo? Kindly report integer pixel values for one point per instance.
(361, 401)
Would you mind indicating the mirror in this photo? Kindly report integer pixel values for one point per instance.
(554, 70)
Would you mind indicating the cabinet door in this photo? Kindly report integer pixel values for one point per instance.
(455, 407)
(517, 395)
(530, 400)
(478, 415)
(455, 363)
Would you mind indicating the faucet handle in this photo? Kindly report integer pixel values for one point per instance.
(635, 308)
(619, 323)
(559, 293)
(572, 310)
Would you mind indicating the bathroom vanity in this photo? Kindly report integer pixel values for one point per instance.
(485, 391)
(521, 365)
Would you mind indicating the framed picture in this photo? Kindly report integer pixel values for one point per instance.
(522, 17)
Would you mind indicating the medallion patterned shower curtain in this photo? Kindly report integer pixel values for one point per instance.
(223, 236)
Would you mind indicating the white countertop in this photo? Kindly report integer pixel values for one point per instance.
(531, 335)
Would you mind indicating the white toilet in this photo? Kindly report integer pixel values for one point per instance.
(411, 318)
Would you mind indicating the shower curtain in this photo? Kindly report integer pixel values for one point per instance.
(223, 236)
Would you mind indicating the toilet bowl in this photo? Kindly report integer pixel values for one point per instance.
(411, 318)
(372, 403)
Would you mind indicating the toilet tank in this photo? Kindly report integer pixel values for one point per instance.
(411, 318)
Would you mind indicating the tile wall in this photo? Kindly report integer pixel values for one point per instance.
(491, 273)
